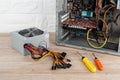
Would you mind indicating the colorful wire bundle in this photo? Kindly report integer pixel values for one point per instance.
(39, 53)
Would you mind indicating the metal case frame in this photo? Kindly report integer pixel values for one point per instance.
(61, 9)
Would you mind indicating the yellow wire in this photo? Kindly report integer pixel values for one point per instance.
(48, 54)
(107, 11)
(100, 4)
(92, 44)
(106, 39)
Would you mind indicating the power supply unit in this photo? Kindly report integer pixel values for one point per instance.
(32, 35)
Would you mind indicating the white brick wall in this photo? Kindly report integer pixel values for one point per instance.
(20, 14)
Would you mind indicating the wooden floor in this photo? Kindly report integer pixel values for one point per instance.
(14, 66)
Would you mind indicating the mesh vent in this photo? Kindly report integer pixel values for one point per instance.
(31, 32)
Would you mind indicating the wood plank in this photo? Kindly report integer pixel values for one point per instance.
(14, 66)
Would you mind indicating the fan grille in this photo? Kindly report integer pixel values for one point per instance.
(31, 32)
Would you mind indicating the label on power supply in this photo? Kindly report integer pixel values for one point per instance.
(118, 4)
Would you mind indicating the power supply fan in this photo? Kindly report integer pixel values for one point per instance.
(31, 32)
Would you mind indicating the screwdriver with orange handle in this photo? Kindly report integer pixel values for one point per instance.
(98, 63)
(88, 63)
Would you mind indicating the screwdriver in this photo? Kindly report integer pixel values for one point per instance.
(98, 63)
(88, 63)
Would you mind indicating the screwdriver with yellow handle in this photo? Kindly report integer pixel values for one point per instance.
(88, 63)
(98, 63)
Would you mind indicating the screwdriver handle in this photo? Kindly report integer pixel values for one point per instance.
(99, 64)
(89, 65)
